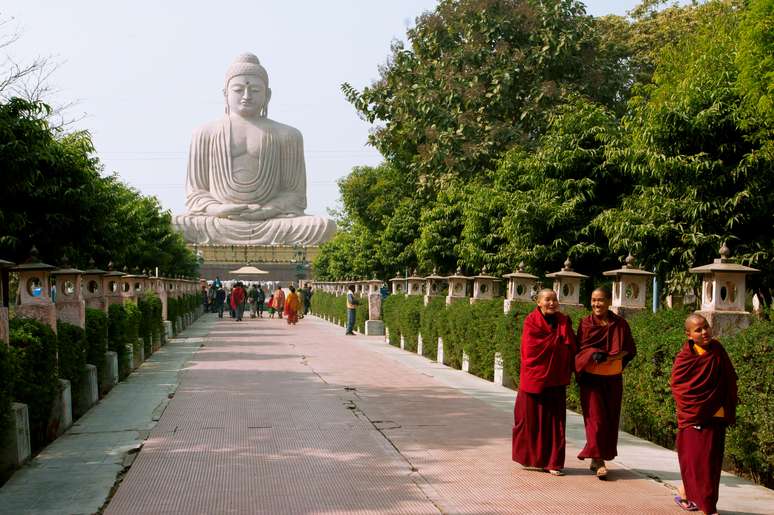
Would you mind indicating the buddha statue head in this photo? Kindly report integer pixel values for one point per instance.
(246, 89)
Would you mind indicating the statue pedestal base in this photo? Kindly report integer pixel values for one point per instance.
(285, 263)
(374, 328)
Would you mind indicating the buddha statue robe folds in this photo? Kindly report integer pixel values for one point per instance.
(246, 180)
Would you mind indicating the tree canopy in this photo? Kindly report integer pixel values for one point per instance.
(57, 199)
(518, 130)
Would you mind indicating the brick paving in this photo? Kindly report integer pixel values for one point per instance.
(273, 419)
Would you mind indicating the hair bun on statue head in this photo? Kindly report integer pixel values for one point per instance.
(247, 64)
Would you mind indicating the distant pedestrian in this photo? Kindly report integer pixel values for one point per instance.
(308, 304)
(260, 299)
(292, 306)
(220, 300)
(270, 306)
(705, 392)
(238, 299)
(279, 301)
(352, 303)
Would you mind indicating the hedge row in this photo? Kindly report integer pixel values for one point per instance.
(648, 411)
(335, 306)
(30, 371)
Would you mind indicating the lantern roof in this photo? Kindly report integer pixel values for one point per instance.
(723, 264)
(520, 273)
(567, 271)
(33, 263)
(628, 269)
(458, 275)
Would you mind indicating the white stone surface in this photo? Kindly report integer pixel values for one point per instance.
(420, 344)
(374, 328)
(246, 180)
(439, 357)
(110, 377)
(465, 362)
(18, 448)
(65, 405)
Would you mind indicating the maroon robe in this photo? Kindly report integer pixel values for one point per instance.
(539, 413)
(601, 395)
(701, 385)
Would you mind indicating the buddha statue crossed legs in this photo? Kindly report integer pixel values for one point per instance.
(246, 180)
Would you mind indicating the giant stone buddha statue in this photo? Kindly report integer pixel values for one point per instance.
(246, 181)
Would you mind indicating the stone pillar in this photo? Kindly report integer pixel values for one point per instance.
(18, 447)
(110, 373)
(420, 344)
(70, 305)
(439, 354)
(63, 408)
(374, 326)
(521, 288)
(630, 285)
(501, 376)
(127, 289)
(723, 294)
(4, 301)
(465, 362)
(34, 291)
(567, 285)
(89, 391)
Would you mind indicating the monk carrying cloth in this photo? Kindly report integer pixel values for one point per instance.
(704, 387)
(605, 347)
(547, 350)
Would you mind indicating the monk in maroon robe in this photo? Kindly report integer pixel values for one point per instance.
(704, 387)
(547, 351)
(605, 347)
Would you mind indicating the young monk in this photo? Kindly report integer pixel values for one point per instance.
(605, 347)
(704, 387)
(547, 351)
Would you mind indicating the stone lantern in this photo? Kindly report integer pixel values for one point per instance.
(485, 287)
(374, 326)
(723, 294)
(416, 285)
(398, 285)
(70, 306)
(630, 284)
(128, 282)
(4, 301)
(459, 287)
(521, 288)
(159, 286)
(567, 285)
(435, 286)
(111, 286)
(93, 292)
(34, 290)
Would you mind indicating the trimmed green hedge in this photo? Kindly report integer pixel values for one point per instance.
(96, 338)
(327, 304)
(36, 382)
(648, 410)
(72, 354)
(117, 337)
(8, 373)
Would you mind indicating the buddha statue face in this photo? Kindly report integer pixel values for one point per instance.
(247, 96)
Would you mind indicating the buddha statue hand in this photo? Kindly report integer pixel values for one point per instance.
(255, 212)
(225, 210)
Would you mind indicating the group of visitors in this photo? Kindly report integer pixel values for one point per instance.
(703, 385)
(255, 299)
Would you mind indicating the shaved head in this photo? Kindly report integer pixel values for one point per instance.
(545, 291)
(604, 291)
(694, 318)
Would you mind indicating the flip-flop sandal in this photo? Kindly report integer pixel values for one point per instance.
(685, 504)
(555, 472)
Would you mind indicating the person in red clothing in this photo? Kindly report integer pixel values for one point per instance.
(238, 296)
(605, 347)
(547, 352)
(704, 387)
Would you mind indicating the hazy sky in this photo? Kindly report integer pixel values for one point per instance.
(145, 74)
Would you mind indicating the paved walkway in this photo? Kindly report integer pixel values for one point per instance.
(272, 419)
